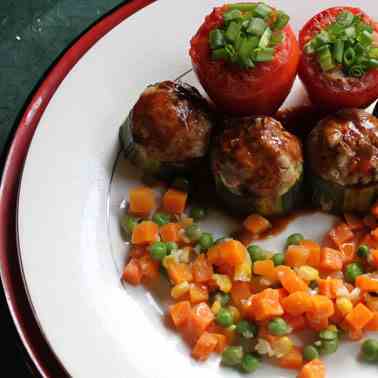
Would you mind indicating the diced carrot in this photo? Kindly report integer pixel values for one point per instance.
(359, 317)
(199, 319)
(296, 255)
(290, 280)
(348, 251)
(336, 284)
(145, 232)
(256, 224)
(170, 232)
(132, 272)
(141, 200)
(291, 360)
(266, 305)
(149, 267)
(180, 313)
(341, 234)
(198, 293)
(315, 323)
(179, 272)
(205, 345)
(367, 282)
(297, 323)
(266, 269)
(374, 209)
(297, 303)
(322, 306)
(354, 222)
(374, 257)
(324, 287)
(313, 369)
(240, 292)
(313, 257)
(373, 323)
(282, 293)
(202, 270)
(174, 201)
(330, 259)
(221, 342)
(230, 252)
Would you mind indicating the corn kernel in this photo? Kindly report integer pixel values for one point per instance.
(372, 302)
(282, 346)
(224, 283)
(180, 290)
(243, 272)
(344, 305)
(185, 222)
(308, 273)
(168, 259)
(216, 307)
(235, 313)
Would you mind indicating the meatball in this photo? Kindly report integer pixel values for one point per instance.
(168, 128)
(258, 161)
(343, 159)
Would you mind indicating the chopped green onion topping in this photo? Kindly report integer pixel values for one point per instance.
(263, 10)
(216, 39)
(249, 34)
(282, 20)
(348, 43)
(256, 26)
(345, 19)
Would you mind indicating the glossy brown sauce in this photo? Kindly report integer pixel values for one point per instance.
(279, 224)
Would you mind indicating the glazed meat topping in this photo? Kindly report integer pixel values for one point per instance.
(256, 155)
(343, 148)
(171, 122)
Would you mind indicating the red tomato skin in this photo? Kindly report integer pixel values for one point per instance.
(334, 94)
(257, 91)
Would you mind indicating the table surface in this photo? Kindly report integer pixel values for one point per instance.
(33, 34)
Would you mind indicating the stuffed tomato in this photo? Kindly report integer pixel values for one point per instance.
(246, 57)
(257, 167)
(168, 130)
(343, 160)
(339, 60)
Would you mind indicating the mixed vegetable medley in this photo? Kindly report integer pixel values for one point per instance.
(246, 303)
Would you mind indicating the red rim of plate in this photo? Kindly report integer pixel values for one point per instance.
(46, 362)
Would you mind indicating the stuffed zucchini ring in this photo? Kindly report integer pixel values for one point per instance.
(168, 130)
(258, 167)
(343, 159)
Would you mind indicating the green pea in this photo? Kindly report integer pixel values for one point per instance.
(278, 259)
(329, 346)
(278, 327)
(193, 232)
(352, 271)
(181, 183)
(198, 213)
(161, 218)
(246, 329)
(223, 298)
(328, 335)
(205, 241)
(171, 246)
(158, 251)
(232, 356)
(224, 317)
(128, 223)
(294, 239)
(363, 251)
(369, 350)
(256, 253)
(310, 353)
(250, 363)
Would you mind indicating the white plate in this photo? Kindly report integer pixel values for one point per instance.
(71, 250)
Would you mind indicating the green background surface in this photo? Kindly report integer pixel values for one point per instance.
(33, 34)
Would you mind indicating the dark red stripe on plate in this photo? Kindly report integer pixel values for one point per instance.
(43, 357)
